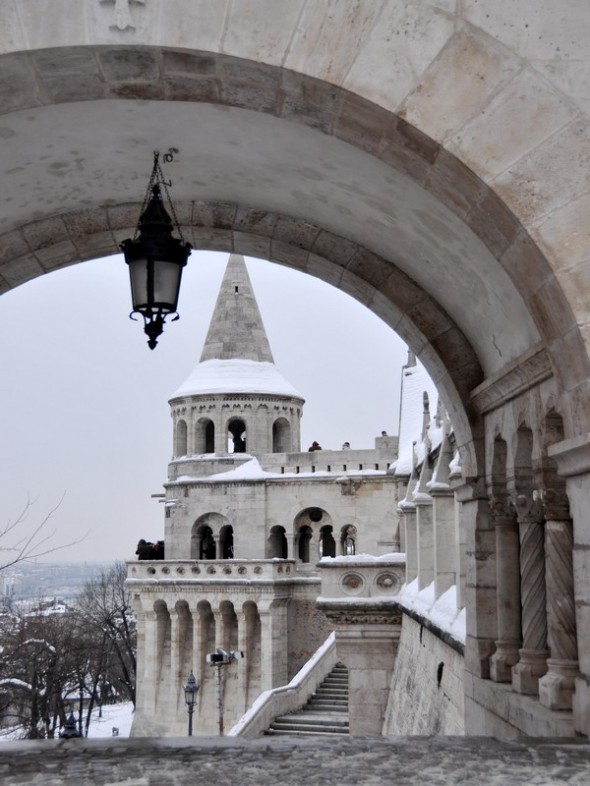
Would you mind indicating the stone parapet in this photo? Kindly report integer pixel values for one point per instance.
(210, 571)
(361, 577)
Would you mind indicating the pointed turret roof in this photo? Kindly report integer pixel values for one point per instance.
(236, 329)
(236, 357)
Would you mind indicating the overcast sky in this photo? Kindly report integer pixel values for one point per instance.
(84, 402)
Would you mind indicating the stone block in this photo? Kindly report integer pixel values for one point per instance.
(458, 84)
(268, 41)
(408, 41)
(527, 111)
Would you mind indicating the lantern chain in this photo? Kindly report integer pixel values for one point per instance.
(157, 178)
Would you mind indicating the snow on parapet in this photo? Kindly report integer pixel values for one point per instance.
(443, 611)
(236, 376)
(415, 382)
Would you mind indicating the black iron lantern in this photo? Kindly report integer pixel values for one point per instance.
(155, 259)
(190, 697)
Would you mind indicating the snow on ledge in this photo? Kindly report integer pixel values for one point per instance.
(364, 559)
(442, 612)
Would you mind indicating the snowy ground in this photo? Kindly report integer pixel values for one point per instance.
(118, 716)
(114, 716)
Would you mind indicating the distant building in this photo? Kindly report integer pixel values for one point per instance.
(247, 517)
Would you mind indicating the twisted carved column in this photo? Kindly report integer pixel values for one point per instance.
(507, 591)
(557, 686)
(533, 655)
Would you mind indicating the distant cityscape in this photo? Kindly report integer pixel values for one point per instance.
(47, 580)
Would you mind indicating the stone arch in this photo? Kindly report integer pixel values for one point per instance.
(181, 438)
(236, 436)
(308, 525)
(361, 125)
(281, 436)
(204, 436)
(205, 536)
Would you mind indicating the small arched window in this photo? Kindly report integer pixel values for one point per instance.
(348, 540)
(327, 544)
(204, 436)
(277, 547)
(181, 446)
(237, 436)
(281, 436)
(226, 542)
(305, 534)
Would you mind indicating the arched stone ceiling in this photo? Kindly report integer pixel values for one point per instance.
(320, 165)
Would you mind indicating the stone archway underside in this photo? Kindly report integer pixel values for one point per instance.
(279, 165)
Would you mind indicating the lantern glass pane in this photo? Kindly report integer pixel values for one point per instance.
(139, 283)
(166, 283)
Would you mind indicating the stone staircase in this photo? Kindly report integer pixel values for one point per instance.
(326, 713)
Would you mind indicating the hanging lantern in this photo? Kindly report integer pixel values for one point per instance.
(155, 259)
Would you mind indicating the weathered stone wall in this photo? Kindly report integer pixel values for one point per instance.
(427, 686)
(308, 627)
(291, 762)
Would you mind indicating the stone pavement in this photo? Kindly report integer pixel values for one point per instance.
(291, 761)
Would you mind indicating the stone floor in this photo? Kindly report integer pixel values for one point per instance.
(290, 761)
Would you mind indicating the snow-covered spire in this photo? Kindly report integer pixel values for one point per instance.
(236, 329)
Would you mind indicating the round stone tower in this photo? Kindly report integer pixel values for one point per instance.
(235, 404)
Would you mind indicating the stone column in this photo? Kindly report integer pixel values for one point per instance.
(533, 656)
(425, 540)
(175, 659)
(242, 674)
(274, 631)
(147, 657)
(407, 511)
(556, 688)
(509, 638)
(443, 518)
(480, 582)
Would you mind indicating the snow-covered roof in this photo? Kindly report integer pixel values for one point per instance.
(236, 376)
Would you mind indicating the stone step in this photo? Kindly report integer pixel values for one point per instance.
(326, 712)
(276, 732)
(316, 728)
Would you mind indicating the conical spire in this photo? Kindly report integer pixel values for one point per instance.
(236, 329)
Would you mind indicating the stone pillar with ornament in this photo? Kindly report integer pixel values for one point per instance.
(532, 664)
(556, 688)
(509, 639)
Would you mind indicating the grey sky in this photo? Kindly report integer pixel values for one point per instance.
(84, 401)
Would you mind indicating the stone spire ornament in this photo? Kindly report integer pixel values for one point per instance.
(236, 329)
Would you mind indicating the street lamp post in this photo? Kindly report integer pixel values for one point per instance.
(220, 659)
(190, 697)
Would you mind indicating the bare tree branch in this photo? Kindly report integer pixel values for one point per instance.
(34, 543)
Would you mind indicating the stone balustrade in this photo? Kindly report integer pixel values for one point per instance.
(210, 570)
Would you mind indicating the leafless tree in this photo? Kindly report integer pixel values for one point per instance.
(105, 604)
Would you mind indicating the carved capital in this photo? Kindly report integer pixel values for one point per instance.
(502, 508)
(555, 504)
(528, 507)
